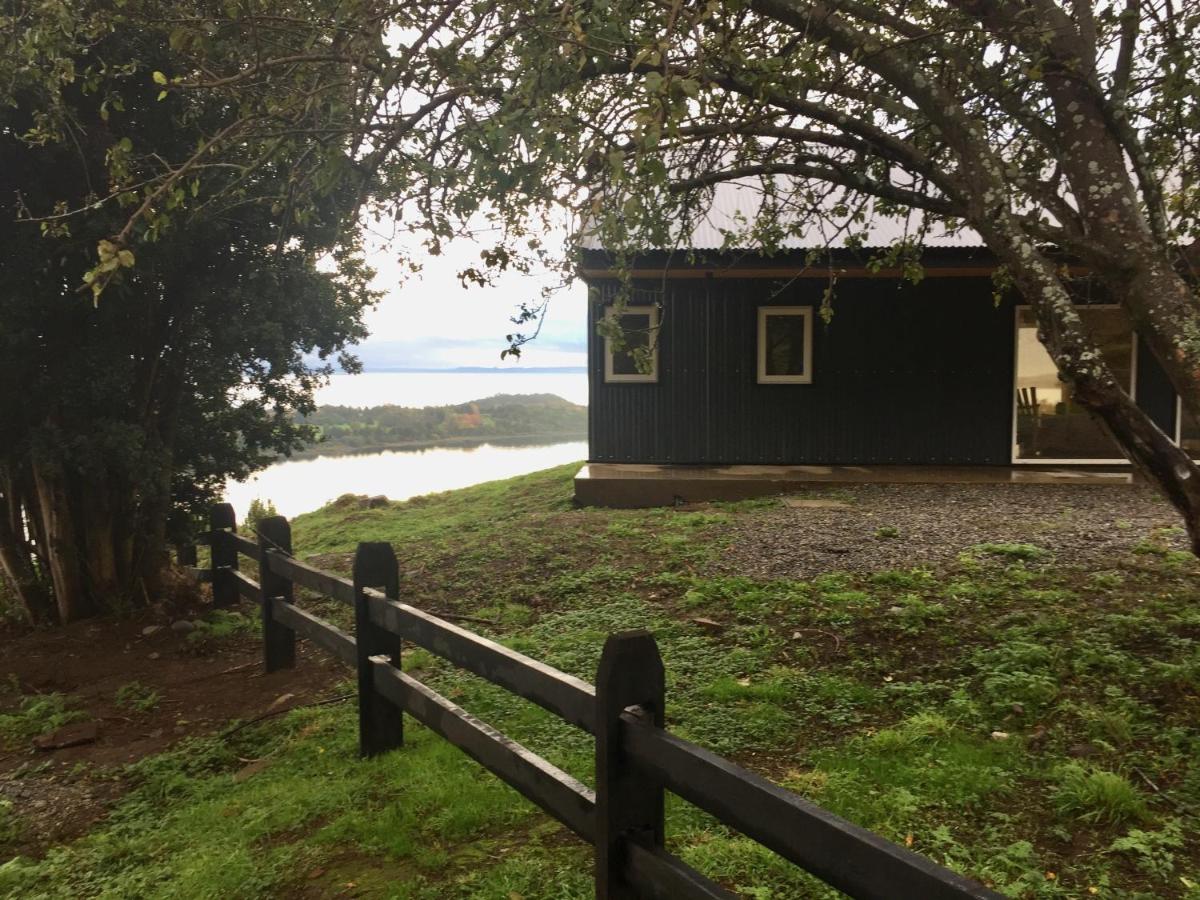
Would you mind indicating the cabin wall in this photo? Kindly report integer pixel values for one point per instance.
(902, 374)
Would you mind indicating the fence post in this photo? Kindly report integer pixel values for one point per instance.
(380, 724)
(185, 555)
(224, 555)
(279, 641)
(628, 804)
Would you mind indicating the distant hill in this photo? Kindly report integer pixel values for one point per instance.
(348, 429)
(486, 370)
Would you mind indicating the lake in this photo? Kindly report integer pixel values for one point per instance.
(300, 486)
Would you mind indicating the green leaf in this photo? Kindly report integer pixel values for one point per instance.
(159, 78)
(162, 95)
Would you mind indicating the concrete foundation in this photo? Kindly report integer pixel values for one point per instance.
(632, 485)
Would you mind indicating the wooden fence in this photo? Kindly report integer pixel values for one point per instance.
(637, 759)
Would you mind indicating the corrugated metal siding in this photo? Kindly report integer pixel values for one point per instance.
(894, 380)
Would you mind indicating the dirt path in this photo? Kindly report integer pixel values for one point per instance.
(201, 683)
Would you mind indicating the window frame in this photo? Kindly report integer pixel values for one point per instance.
(806, 312)
(1179, 423)
(651, 377)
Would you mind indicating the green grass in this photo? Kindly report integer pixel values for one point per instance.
(136, 697)
(1095, 795)
(1030, 724)
(36, 714)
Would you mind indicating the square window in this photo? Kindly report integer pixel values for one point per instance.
(639, 324)
(785, 344)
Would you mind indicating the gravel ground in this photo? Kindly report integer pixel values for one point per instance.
(1093, 526)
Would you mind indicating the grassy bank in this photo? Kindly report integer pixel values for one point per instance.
(1031, 723)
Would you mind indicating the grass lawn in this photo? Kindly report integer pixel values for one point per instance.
(1030, 723)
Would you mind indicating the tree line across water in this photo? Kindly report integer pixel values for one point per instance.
(348, 429)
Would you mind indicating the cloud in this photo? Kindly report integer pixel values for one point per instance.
(429, 320)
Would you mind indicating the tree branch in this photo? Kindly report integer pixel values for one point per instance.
(851, 180)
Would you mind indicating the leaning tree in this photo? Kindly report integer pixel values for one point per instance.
(1056, 129)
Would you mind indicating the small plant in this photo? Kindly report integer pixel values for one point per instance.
(36, 715)
(1022, 552)
(1150, 547)
(910, 580)
(1096, 795)
(1152, 851)
(887, 531)
(1107, 580)
(914, 612)
(221, 623)
(137, 697)
(10, 825)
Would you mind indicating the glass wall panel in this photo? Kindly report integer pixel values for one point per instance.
(1050, 424)
(1189, 433)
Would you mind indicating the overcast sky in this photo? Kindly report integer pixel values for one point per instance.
(431, 321)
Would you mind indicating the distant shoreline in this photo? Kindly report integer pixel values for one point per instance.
(538, 439)
(473, 370)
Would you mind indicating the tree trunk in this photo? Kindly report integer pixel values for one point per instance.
(1080, 364)
(1166, 313)
(1139, 266)
(99, 547)
(58, 524)
(16, 556)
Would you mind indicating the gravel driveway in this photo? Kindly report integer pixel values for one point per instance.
(870, 527)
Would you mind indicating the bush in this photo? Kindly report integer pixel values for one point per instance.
(259, 510)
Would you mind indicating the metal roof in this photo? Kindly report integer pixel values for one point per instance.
(733, 206)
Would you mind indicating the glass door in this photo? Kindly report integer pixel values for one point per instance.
(1189, 432)
(1050, 425)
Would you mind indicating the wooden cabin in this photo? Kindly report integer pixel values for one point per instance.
(750, 387)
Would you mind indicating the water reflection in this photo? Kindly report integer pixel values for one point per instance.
(301, 486)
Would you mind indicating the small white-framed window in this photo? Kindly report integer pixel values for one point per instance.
(785, 344)
(639, 325)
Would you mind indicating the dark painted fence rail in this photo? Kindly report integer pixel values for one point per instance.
(637, 759)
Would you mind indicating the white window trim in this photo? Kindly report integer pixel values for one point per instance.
(636, 377)
(1179, 423)
(1133, 378)
(763, 313)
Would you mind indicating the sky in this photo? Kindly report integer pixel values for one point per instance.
(429, 320)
